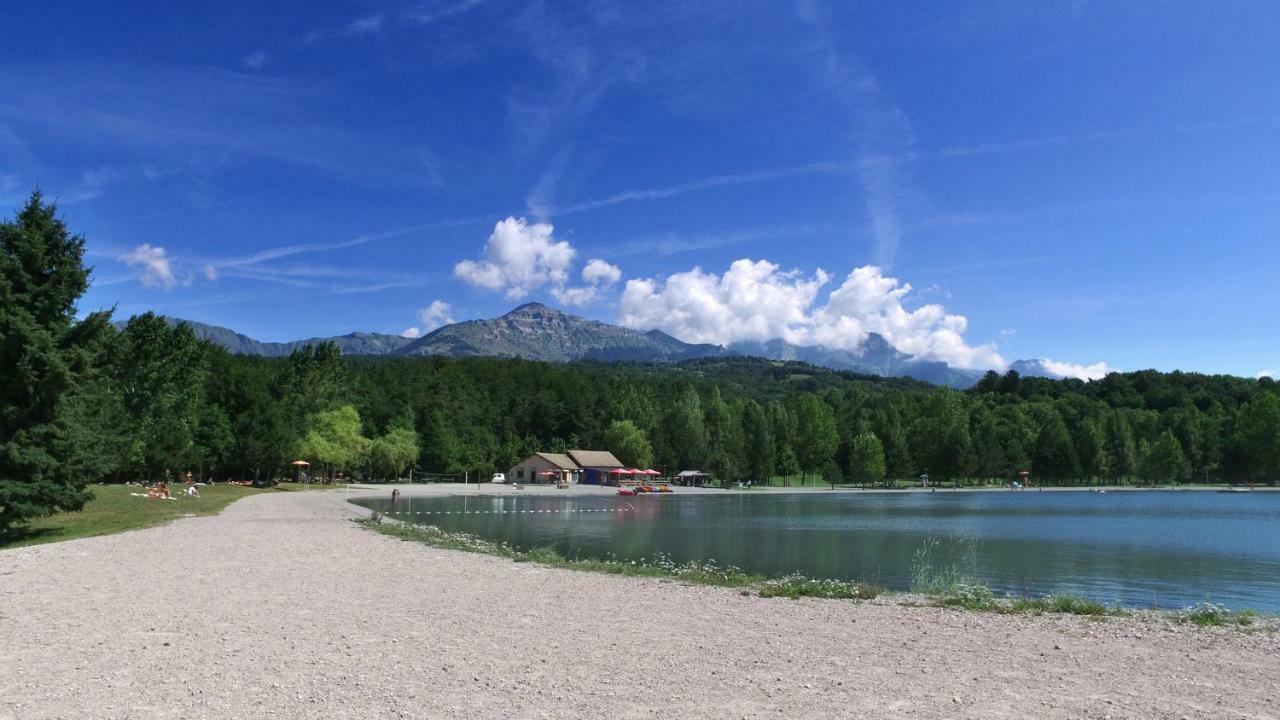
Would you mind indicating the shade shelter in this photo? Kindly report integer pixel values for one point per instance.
(693, 478)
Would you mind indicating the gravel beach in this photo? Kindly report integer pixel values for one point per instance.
(281, 606)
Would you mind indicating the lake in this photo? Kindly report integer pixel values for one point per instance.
(1139, 549)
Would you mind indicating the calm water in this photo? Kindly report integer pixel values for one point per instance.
(1160, 549)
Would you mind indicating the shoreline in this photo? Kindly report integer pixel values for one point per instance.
(962, 594)
(281, 605)
(492, 489)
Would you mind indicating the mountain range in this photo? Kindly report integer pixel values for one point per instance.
(536, 332)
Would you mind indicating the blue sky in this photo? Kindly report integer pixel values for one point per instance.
(1092, 182)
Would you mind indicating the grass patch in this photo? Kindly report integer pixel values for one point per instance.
(661, 567)
(1065, 604)
(112, 509)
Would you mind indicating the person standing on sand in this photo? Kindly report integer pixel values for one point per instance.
(395, 494)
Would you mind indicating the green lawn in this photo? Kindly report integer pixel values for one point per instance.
(113, 510)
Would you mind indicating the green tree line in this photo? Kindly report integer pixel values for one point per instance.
(83, 400)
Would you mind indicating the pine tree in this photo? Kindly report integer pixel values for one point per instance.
(45, 357)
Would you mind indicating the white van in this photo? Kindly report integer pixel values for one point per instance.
(498, 478)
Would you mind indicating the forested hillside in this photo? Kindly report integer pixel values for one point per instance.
(167, 401)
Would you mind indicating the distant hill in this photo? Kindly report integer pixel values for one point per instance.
(356, 343)
(534, 331)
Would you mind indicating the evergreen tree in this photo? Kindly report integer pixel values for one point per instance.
(45, 357)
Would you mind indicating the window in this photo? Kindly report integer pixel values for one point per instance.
(520, 474)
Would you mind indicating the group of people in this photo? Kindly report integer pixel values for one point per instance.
(160, 490)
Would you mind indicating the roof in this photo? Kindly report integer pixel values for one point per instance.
(595, 458)
(690, 473)
(564, 462)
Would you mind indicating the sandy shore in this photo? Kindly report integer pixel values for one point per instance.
(281, 607)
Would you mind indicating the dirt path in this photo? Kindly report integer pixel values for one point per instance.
(282, 607)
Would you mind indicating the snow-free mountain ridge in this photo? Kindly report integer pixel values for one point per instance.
(534, 331)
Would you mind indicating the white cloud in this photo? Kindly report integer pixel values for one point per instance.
(598, 276)
(1096, 371)
(751, 301)
(576, 296)
(868, 301)
(1266, 374)
(599, 272)
(156, 266)
(755, 300)
(256, 60)
(435, 315)
(519, 258)
(210, 272)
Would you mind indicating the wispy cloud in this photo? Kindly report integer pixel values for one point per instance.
(256, 60)
(428, 13)
(668, 244)
(199, 121)
(283, 251)
(878, 131)
(1025, 144)
(370, 25)
(709, 183)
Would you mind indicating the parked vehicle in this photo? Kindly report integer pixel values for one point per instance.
(498, 478)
